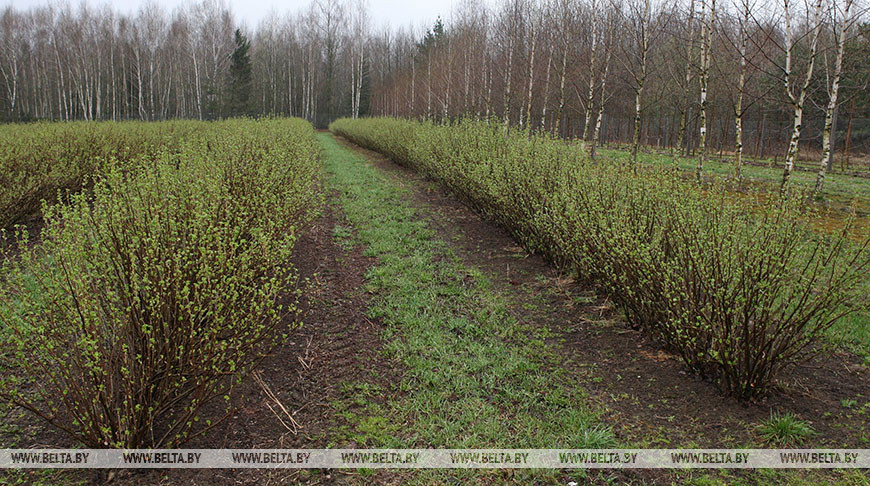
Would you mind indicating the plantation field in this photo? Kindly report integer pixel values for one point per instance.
(844, 193)
(160, 284)
(401, 284)
(39, 160)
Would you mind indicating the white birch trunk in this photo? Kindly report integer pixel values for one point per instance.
(429, 84)
(741, 84)
(546, 88)
(707, 21)
(602, 97)
(508, 78)
(832, 102)
(641, 80)
(684, 111)
(799, 99)
(557, 125)
(528, 116)
(590, 95)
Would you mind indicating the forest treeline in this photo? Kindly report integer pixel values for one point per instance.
(197, 61)
(757, 77)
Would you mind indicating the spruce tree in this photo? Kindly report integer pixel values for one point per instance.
(239, 99)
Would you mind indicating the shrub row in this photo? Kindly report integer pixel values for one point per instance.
(38, 160)
(738, 291)
(156, 289)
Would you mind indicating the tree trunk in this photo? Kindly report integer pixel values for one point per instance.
(557, 124)
(528, 116)
(641, 80)
(797, 101)
(590, 95)
(546, 89)
(831, 112)
(601, 93)
(707, 21)
(508, 77)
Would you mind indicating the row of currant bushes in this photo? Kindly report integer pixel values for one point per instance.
(738, 292)
(38, 160)
(154, 291)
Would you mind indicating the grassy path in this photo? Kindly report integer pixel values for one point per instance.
(475, 377)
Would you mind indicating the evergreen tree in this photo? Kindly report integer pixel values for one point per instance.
(239, 96)
(433, 37)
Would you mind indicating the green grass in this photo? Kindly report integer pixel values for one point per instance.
(785, 430)
(473, 375)
(840, 189)
(649, 238)
(853, 333)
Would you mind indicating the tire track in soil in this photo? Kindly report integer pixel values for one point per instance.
(338, 343)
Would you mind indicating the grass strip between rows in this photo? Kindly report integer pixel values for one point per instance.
(475, 376)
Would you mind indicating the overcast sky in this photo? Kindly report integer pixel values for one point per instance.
(392, 12)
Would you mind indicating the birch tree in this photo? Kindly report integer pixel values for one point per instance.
(708, 18)
(590, 95)
(684, 102)
(10, 29)
(741, 87)
(839, 28)
(513, 18)
(641, 29)
(545, 103)
(535, 23)
(565, 17)
(797, 97)
(602, 91)
(358, 47)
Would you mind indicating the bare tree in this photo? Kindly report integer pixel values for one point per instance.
(565, 19)
(535, 20)
(636, 56)
(602, 91)
(357, 45)
(839, 28)
(590, 96)
(324, 61)
(708, 18)
(684, 102)
(11, 28)
(741, 88)
(797, 98)
(513, 20)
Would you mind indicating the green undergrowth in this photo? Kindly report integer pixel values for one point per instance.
(840, 189)
(473, 376)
